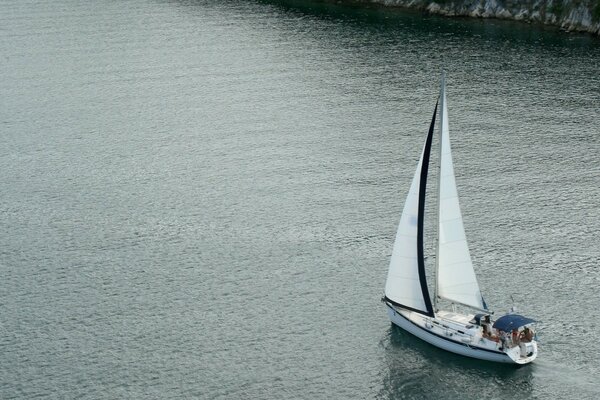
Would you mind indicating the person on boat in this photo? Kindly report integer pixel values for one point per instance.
(503, 340)
(526, 335)
(487, 330)
(515, 337)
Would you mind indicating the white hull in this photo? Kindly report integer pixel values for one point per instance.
(456, 336)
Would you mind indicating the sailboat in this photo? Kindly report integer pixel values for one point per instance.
(471, 331)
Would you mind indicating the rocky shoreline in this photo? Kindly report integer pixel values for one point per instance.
(570, 15)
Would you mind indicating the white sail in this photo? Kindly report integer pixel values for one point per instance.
(406, 292)
(456, 280)
(403, 285)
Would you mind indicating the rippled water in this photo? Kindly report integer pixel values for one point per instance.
(199, 198)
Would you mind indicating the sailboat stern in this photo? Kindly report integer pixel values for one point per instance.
(518, 337)
(524, 353)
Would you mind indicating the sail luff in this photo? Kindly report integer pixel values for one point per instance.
(421, 220)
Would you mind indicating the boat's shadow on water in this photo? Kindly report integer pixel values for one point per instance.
(414, 367)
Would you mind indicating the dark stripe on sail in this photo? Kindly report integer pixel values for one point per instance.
(392, 302)
(421, 215)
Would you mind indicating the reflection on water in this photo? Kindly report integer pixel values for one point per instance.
(415, 369)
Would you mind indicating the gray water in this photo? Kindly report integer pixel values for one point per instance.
(199, 198)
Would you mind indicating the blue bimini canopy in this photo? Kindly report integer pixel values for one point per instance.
(509, 322)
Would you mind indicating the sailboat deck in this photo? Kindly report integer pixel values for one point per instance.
(454, 317)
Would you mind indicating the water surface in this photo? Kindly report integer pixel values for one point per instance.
(199, 198)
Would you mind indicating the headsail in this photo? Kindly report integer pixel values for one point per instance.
(406, 283)
(456, 280)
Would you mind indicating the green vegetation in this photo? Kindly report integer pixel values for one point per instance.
(556, 8)
(595, 10)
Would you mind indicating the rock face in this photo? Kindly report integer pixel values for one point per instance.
(571, 15)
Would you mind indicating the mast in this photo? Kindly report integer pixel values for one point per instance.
(439, 182)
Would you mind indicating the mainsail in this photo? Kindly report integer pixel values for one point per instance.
(406, 283)
(456, 280)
